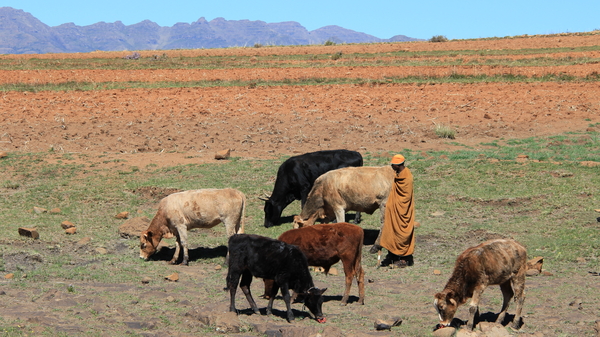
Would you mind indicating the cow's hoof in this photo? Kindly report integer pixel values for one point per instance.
(375, 249)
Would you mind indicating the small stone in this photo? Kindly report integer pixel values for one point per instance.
(547, 273)
(333, 271)
(55, 210)
(101, 251)
(9, 276)
(224, 154)
(532, 272)
(170, 299)
(71, 230)
(417, 224)
(146, 280)
(39, 210)
(122, 215)
(581, 260)
(218, 267)
(444, 332)
(29, 232)
(438, 214)
(3, 154)
(437, 272)
(84, 241)
(67, 224)
(173, 277)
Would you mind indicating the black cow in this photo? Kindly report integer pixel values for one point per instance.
(259, 256)
(296, 176)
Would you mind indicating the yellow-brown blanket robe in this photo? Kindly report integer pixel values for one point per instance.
(397, 235)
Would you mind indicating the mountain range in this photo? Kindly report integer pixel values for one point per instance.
(22, 33)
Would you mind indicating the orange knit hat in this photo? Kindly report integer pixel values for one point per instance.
(397, 159)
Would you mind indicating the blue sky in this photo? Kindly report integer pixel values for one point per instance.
(459, 19)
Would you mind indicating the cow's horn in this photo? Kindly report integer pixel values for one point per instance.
(264, 197)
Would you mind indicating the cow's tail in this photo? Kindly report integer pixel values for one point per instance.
(358, 259)
(242, 216)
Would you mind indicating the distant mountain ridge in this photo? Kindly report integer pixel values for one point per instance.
(22, 33)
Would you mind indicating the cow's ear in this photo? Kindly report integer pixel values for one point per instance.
(147, 235)
(450, 296)
(316, 291)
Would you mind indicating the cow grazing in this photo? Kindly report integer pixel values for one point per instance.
(326, 244)
(502, 262)
(361, 189)
(296, 175)
(258, 256)
(179, 212)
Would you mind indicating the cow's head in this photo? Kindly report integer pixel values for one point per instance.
(300, 222)
(313, 299)
(148, 244)
(445, 304)
(272, 212)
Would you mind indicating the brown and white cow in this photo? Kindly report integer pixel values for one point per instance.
(204, 208)
(502, 262)
(360, 189)
(326, 244)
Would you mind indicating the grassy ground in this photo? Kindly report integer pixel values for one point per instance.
(545, 201)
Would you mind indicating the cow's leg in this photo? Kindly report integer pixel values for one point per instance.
(360, 280)
(285, 292)
(349, 271)
(233, 279)
(274, 290)
(519, 290)
(357, 218)
(377, 245)
(474, 306)
(245, 286)
(507, 295)
(183, 242)
(340, 214)
(177, 249)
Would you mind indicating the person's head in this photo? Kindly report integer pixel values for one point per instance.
(398, 162)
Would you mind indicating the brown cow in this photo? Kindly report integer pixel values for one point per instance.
(326, 244)
(360, 189)
(502, 262)
(179, 212)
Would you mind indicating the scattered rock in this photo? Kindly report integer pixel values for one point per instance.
(444, 332)
(9, 276)
(71, 230)
(122, 215)
(438, 214)
(532, 272)
(67, 224)
(29, 232)
(218, 316)
(547, 273)
(387, 325)
(580, 260)
(146, 280)
(84, 241)
(3, 154)
(39, 210)
(224, 154)
(218, 267)
(491, 329)
(437, 272)
(333, 271)
(173, 277)
(170, 299)
(101, 251)
(417, 224)
(134, 227)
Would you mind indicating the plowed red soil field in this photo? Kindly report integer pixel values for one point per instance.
(267, 121)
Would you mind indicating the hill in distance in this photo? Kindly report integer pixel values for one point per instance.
(22, 33)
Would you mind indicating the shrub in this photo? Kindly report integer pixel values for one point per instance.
(444, 131)
(438, 38)
(336, 56)
(329, 43)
